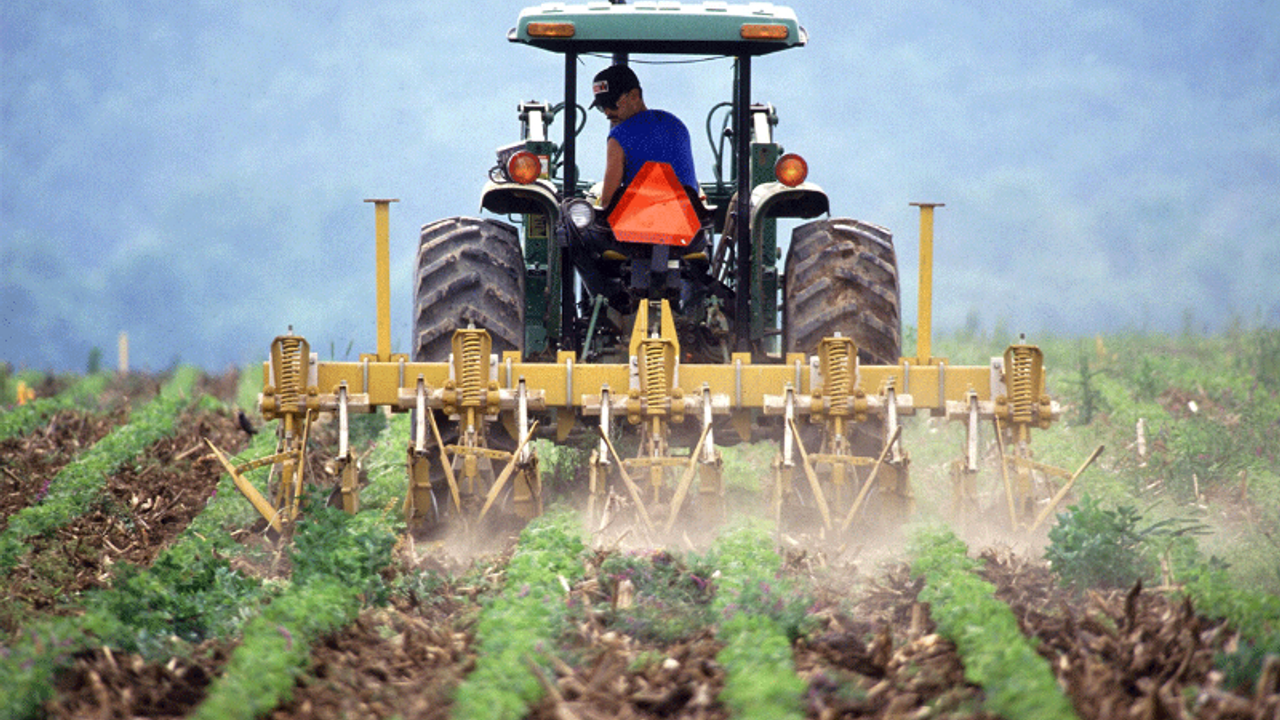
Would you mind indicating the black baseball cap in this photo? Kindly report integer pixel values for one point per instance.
(612, 83)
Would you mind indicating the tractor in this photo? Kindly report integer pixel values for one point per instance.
(708, 343)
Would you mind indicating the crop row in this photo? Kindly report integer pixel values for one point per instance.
(1017, 682)
(336, 571)
(77, 486)
(761, 616)
(189, 593)
(517, 627)
(337, 565)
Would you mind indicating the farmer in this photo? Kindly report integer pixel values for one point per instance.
(637, 135)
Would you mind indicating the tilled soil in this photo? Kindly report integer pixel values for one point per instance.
(102, 684)
(144, 507)
(1134, 654)
(146, 504)
(878, 656)
(395, 662)
(29, 462)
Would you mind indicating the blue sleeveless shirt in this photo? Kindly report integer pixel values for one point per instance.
(659, 136)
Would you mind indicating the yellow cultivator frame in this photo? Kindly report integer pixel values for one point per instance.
(829, 391)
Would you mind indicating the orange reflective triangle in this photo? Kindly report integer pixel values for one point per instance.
(655, 209)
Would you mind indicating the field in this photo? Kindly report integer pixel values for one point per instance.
(140, 583)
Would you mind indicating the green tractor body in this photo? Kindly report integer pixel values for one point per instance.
(709, 343)
(741, 310)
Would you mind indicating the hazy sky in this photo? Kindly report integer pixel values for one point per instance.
(193, 173)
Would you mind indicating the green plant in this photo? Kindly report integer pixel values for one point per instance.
(1017, 682)
(189, 585)
(1254, 614)
(384, 465)
(1147, 382)
(275, 647)
(1242, 668)
(366, 429)
(761, 682)
(328, 543)
(248, 385)
(758, 622)
(1265, 359)
(517, 628)
(29, 662)
(561, 463)
(1088, 401)
(424, 589)
(671, 599)
(191, 599)
(746, 466)
(1092, 546)
(338, 561)
(21, 420)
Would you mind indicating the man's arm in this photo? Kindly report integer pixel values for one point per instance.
(615, 160)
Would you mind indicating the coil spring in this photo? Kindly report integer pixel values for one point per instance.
(472, 384)
(289, 381)
(1021, 389)
(839, 383)
(655, 376)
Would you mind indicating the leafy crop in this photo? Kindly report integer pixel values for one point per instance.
(189, 590)
(760, 617)
(276, 646)
(672, 600)
(1016, 681)
(517, 627)
(28, 664)
(385, 464)
(189, 601)
(191, 593)
(1253, 614)
(337, 568)
(1096, 547)
(328, 543)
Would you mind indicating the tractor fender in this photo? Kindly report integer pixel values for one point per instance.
(773, 199)
(508, 198)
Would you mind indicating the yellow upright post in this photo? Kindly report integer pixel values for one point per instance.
(924, 330)
(122, 353)
(382, 232)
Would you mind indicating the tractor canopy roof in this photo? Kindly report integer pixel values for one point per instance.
(712, 27)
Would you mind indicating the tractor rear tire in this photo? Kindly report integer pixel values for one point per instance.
(842, 276)
(470, 270)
